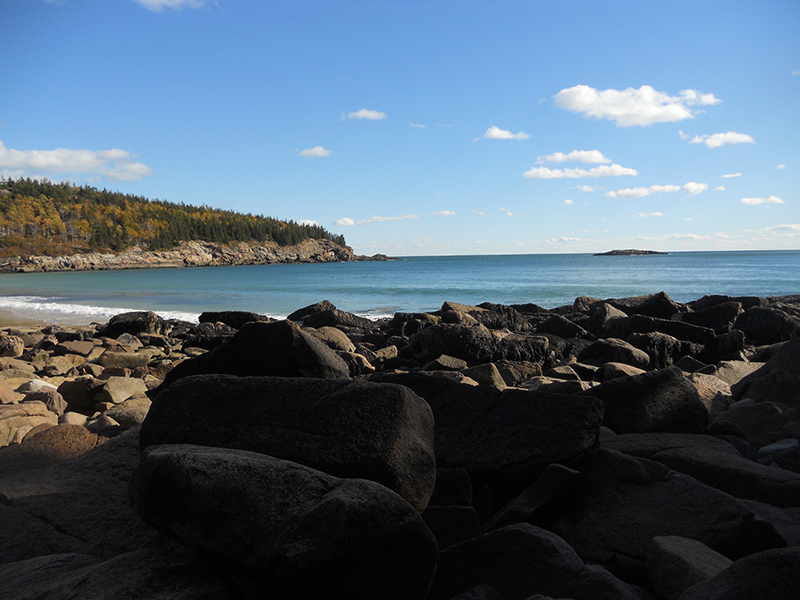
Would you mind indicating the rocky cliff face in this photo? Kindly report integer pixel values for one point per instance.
(189, 254)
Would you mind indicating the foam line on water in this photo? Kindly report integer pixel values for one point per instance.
(37, 307)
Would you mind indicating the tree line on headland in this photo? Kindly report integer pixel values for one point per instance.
(60, 219)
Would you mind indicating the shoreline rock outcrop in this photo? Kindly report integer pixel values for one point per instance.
(629, 448)
(190, 254)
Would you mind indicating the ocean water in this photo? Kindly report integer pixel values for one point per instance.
(413, 284)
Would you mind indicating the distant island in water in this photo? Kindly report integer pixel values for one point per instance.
(629, 252)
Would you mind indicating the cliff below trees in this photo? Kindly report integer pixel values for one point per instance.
(189, 254)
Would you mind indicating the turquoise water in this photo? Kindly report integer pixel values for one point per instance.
(414, 284)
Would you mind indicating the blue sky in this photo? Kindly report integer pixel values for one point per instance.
(424, 127)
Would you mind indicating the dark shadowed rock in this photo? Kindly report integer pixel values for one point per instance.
(139, 575)
(311, 309)
(290, 529)
(675, 563)
(767, 325)
(78, 505)
(655, 401)
(345, 428)
(624, 502)
(452, 525)
(232, 318)
(208, 335)
(663, 350)
(623, 328)
(477, 344)
(562, 327)
(520, 561)
(615, 350)
(778, 380)
(279, 349)
(485, 430)
(556, 481)
(719, 317)
(658, 305)
(715, 462)
(768, 575)
(133, 322)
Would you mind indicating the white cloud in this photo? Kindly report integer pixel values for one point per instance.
(444, 212)
(602, 171)
(719, 188)
(508, 212)
(568, 202)
(159, 5)
(731, 175)
(642, 215)
(315, 152)
(371, 115)
(417, 125)
(481, 213)
(562, 240)
(114, 165)
(495, 133)
(641, 192)
(644, 106)
(792, 229)
(348, 222)
(692, 188)
(584, 188)
(781, 167)
(721, 139)
(585, 156)
(755, 201)
(308, 222)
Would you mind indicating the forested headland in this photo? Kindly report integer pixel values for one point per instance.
(60, 219)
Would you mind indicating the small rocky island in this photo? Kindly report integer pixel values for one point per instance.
(629, 252)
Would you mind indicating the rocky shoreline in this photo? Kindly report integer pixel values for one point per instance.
(190, 254)
(631, 448)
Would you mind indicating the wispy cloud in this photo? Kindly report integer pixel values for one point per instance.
(495, 133)
(417, 125)
(584, 156)
(643, 106)
(781, 167)
(444, 213)
(481, 213)
(113, 165)
(731, 175)
(692, 188)
(568, 202)
(718, 139)
(160, 5)
(719, 188)
(793, 229)
(507, 212)
(370, 115)
(315, 152)
(642, 215)
(601, 171)
(756, 201)
(348, 222)
(584, 188)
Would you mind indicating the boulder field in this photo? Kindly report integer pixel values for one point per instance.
(627, 448)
